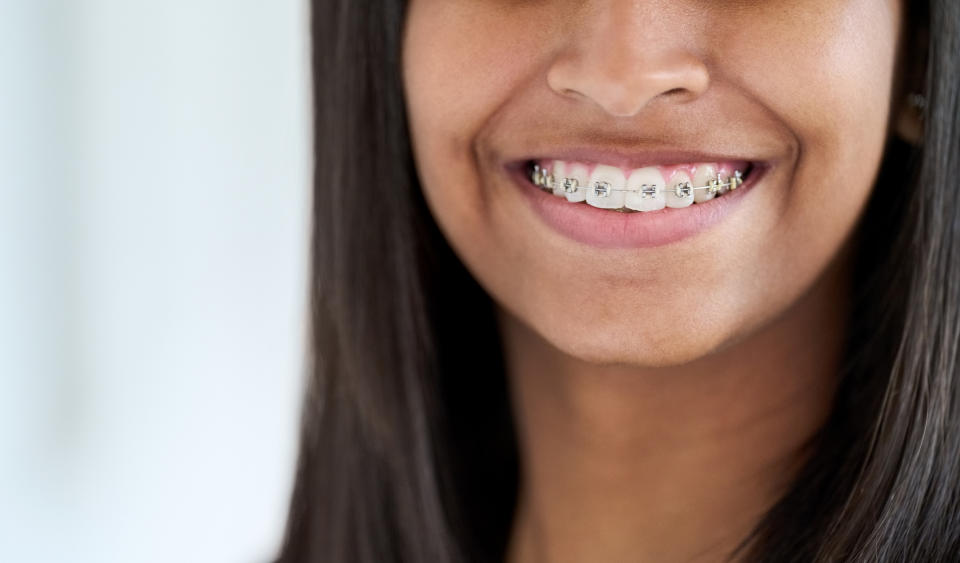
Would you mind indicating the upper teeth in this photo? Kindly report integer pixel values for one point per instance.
(645, 189)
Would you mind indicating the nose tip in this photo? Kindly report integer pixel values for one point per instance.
(622, 71)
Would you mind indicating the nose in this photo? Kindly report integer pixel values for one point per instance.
(623, 54)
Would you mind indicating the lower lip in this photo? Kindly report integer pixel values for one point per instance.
(604, 228)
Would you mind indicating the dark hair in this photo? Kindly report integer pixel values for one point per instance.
(408, 450)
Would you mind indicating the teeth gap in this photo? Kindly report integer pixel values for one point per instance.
(540, 176)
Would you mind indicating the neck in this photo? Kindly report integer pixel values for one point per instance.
(621, 463)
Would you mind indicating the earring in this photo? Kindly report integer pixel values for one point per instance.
(918, 103)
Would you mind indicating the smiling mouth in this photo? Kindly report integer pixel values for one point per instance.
(651, 188)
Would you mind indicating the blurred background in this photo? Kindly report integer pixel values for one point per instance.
(154, 208)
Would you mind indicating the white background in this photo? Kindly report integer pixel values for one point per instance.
(154, 207)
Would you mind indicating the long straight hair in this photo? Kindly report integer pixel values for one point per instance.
(408, 451)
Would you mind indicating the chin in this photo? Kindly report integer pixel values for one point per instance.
(652, 345)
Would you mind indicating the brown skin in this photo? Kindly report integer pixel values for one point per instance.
(663, 394)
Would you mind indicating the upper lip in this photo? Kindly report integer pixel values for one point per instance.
(633, 158)
(641, 144)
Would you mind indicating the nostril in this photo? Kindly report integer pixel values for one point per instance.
(623, 87)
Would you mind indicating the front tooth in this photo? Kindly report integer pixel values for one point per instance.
(702, 177)
(605, 187)
(579, 173)
(679, 190)
(639, 178)
(558, 169)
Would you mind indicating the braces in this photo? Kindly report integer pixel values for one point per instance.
(545, 180)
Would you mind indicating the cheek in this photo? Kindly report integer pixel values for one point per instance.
(833, 95)
(826, 73)
(461, 62)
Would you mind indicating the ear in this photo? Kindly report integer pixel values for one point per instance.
(911, 75)
(908, 123)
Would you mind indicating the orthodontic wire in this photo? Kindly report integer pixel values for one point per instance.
(544, 179)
